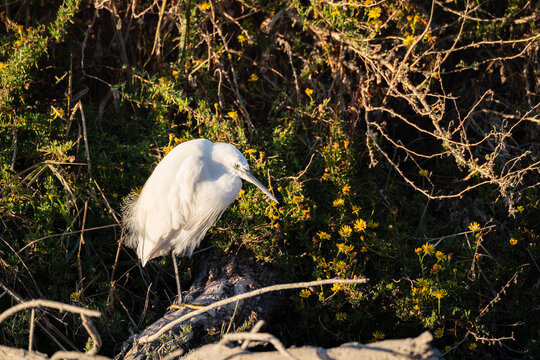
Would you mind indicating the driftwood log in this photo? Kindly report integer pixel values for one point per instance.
(412, 348)
(217, 278)
(220, 278)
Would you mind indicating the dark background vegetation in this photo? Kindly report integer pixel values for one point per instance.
(401, 139)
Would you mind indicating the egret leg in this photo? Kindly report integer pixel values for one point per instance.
(177, 279)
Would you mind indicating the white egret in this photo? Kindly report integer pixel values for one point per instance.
(185, 195)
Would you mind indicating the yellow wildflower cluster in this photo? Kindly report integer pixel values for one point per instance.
(305, 293)
(341, 316)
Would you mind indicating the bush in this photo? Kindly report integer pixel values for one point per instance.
(400, 138)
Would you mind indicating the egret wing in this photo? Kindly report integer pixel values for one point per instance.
(175, 208)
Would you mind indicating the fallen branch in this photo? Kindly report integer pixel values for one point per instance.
(85, 313)
(172, 324)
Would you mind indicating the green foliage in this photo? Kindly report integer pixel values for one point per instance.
(342, 109)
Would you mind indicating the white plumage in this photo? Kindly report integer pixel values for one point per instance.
(185, 195)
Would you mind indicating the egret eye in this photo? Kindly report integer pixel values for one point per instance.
(237, 166)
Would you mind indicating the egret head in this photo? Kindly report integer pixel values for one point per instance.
(237, 165)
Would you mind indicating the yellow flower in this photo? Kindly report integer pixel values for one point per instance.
(363, 248)
(309, 92)
(439, 294)
(241, 39)
(341, 316)
(472, 346)
(355, 209)
(57, 112)
(18, 43)
(372, 224)
(346, 189)
(338, 202)
(306, 214)
(378, 335)
(163, 80)
(51, 196)
(408, 41)
(272, 216)
(360, 225)
(439, 255)
(323, 235)
(513, 241)
(253, 77)
(435, 268)
(233, 115)
(474, 226)
(414, 291)
(297, 199)
(74, 295)
(325, 176)
(205, 6)
(345, 231)
(341, 265)
(345, 248)
(167, 149)
(439, 333)
(304, 293)
(2, 66)
(374, 12)
(416, 307)
(427, 248)
(423, 172)
(418, 250)
(175, 74)
(519, 208)
(336, 287)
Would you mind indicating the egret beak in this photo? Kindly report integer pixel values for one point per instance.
(248, 176)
